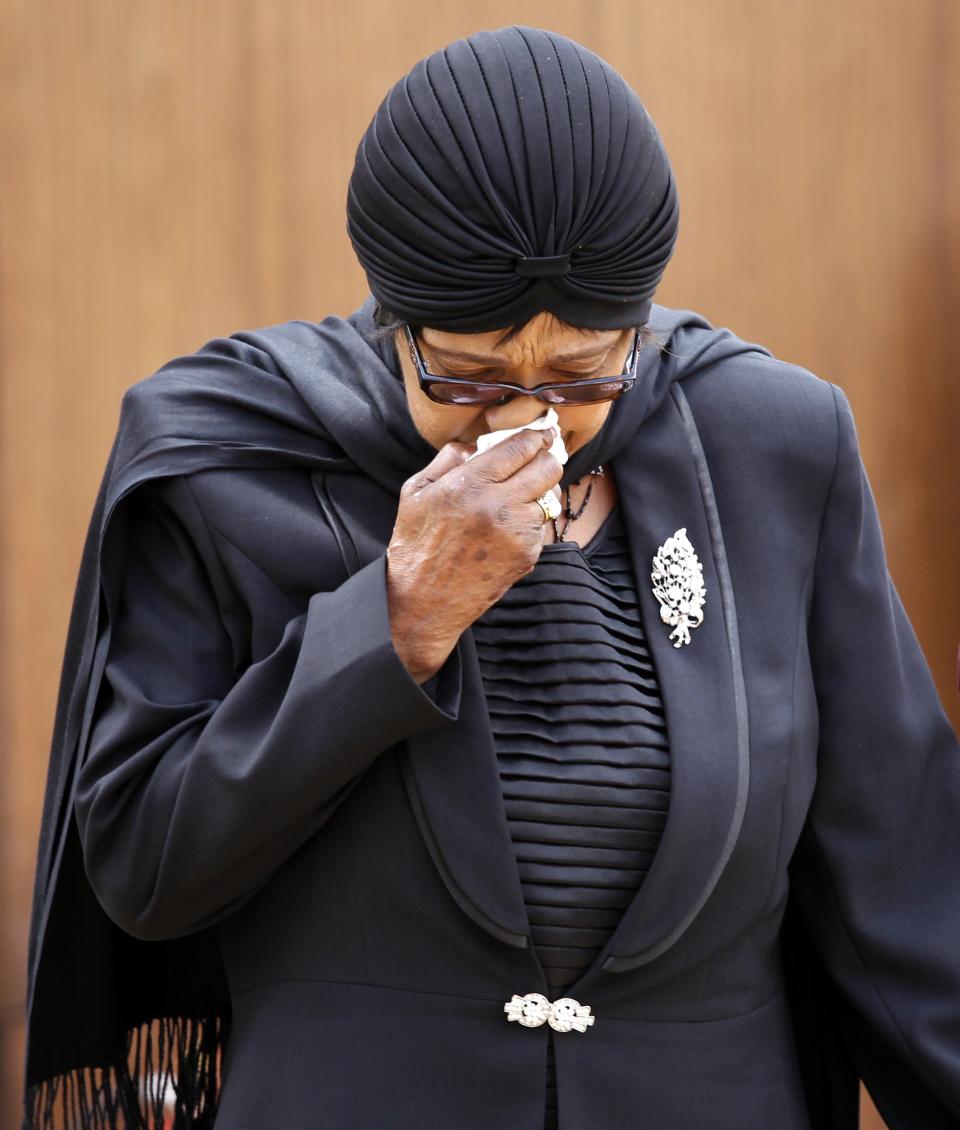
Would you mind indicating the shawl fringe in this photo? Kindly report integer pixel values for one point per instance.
(168, 1079)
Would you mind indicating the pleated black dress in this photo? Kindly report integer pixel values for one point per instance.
(582, 747)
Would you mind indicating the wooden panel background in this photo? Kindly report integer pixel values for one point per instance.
(171, 173)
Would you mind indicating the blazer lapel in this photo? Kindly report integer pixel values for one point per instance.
(450, 773)
(664, 485)
(453, 781)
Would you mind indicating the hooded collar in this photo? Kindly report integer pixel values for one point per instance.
(359, 396)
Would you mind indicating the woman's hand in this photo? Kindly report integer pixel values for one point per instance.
(465, 532)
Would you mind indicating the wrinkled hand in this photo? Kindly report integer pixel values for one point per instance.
(465, 532)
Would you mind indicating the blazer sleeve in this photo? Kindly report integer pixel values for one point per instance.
(196, 784)
(876, 875)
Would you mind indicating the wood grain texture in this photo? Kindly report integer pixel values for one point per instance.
(171, 173)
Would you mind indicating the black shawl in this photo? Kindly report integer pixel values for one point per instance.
(113, 1021)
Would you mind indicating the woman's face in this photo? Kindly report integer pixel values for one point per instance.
(544, 350)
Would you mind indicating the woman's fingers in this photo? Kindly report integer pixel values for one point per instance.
(522, 464)
(540, 475)
(465, 532)
(450, 456)
(506, 458)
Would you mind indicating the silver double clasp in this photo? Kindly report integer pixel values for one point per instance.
(563, 1015)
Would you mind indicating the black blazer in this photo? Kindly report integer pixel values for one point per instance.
(261, 766)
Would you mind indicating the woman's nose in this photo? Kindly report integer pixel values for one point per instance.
(517, 412)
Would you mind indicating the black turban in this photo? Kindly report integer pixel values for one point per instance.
(511, 173)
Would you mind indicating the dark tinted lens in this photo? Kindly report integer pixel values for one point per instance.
(587, 394)
(444, 393)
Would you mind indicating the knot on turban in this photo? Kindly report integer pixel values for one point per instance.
(507, 174)
(543, 266)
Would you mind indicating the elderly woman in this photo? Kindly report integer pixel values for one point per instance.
(492, 710)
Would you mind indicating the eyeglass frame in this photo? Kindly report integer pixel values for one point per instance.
(426, 380)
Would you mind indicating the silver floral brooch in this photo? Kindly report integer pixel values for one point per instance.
(678, 585)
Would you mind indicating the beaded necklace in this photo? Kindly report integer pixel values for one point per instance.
(568, 509)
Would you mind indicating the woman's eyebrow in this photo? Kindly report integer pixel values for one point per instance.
(489, 359)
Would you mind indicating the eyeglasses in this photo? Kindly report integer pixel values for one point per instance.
(458, 391)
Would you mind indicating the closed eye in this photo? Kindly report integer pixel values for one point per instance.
(495, 376)
(491, 375)
(579, 376)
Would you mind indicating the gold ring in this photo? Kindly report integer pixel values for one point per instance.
(550, 506)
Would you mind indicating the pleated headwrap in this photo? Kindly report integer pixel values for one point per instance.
(507, 174)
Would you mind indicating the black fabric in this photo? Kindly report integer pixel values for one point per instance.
(510, 173)
(317, 396)
(581, 747)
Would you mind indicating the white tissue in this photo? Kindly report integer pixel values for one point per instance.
(548, 420)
